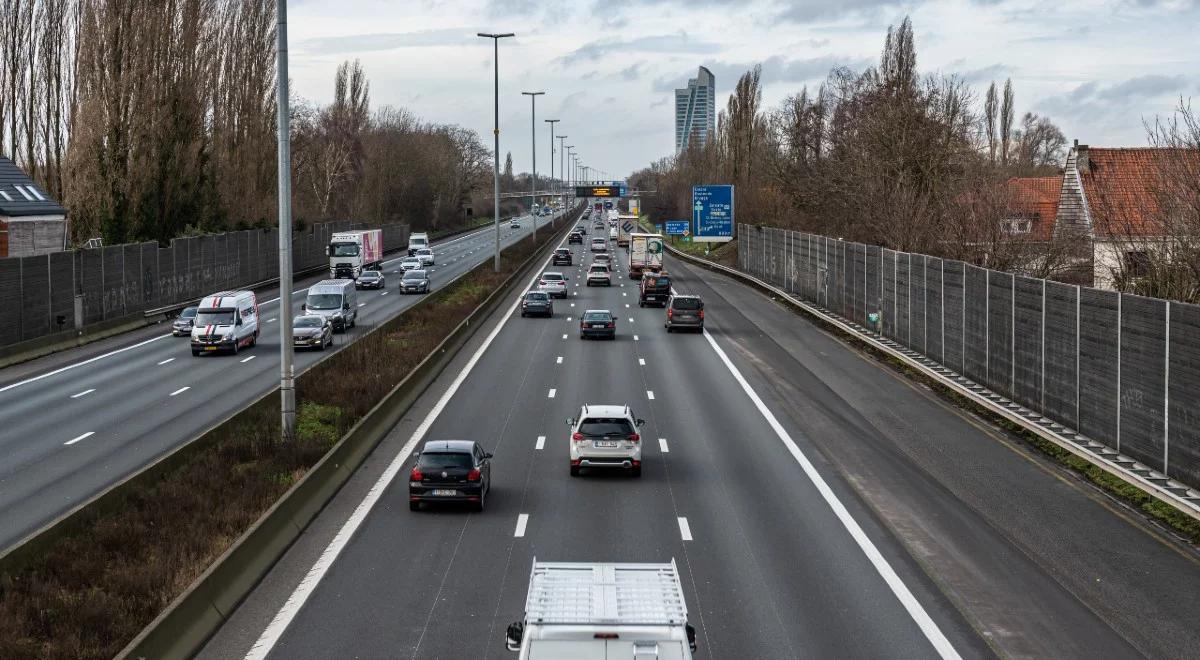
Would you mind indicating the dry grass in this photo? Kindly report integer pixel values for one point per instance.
(95, 590)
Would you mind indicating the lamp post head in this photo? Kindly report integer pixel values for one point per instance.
(494, 36)
(533, 93)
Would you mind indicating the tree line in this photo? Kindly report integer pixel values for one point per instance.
(151, 119)
(885, 156)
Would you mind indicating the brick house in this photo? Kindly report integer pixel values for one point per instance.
(30, 222)
(1117, 200)
(1031, 207)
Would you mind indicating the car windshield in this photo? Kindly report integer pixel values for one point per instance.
(214, 317)
(606, 426)
(443, 460)
(188, 313)
(308, 322)
(415, 275)
(324, 301)
(344, 249)
(596, 316)
(686, 303)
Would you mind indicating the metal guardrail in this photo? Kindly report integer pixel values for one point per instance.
(1174, 493)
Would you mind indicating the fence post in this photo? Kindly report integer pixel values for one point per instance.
(1120, 298)
(1077, 355)
(942, 307)
(1012, 337)
(1167, 390)
(987, 326)
(908, 297)
(1042, 389)
(925, 304)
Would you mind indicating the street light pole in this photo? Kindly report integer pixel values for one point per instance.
(562, 172)
(533, 150)
(287, 375)
(567, 191)
(552, 122)
(496, 133)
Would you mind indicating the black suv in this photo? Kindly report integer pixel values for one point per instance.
(575, 237)
(562, 257)
(450, 471)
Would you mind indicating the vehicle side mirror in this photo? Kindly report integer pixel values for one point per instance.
(487, 455)
(303, 306)
(239, 321)
(346, 306)
(512, 638)
(641, 422)
(570, 421)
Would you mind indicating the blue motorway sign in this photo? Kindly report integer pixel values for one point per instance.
(712, 213)
(679, 227)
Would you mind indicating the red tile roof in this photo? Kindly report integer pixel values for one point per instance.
(1035, 198)
(1124, 188)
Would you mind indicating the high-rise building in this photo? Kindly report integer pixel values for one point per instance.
(695, 110)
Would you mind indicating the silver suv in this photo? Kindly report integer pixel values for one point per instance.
(606, 437)
(599, 274)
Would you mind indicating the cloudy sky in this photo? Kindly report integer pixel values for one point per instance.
(1098, 68)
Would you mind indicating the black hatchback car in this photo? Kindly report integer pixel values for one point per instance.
(450, 471)
(562, 257)
(574, 238)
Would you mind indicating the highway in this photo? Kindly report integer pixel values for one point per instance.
(78, 421)
(817, 505)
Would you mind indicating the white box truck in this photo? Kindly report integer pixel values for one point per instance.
(225, 321)
(626, 224)
(601, 611)
(645, 254)
(416, 242)
(336, 300)
(352, 252)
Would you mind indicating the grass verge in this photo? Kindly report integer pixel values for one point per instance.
(94, 589)
(1136, 498)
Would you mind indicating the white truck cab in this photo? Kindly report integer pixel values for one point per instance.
(603, 611)
(416, 242)
(225, 321)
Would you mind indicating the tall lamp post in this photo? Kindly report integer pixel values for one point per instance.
(562, 171)
(552, 122)
(287, 376)
(496, 133)
(568, 191)
(533, 150)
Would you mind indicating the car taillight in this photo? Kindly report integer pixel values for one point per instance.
(577, 437)
(542, 282)
(670, 312)
(416, 475)
(612, 324)
(474, 475)
(633, 437)
(701, 315)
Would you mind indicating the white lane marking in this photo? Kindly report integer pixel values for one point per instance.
(630, 318)
(559, 360)
(552, 393)
(85, 435)
(249, 358)
(541, 442)
(906, 598)
(635, 337)
(384, 293)
(522, 522)
(564, 336)
(80, 364)
(270, 320)
(283, 618)
(180, 390)
(642, 362)
(685, 530)
(624, 294)
(662, 445)
(362, 304)
(650, 394)
(568, 318)
(166, 361)
(83, 393)
(572, 304)
(627, 307)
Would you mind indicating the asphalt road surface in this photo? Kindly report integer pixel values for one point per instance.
(76, 422)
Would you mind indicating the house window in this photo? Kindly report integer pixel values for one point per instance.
(1137, 263)
(1016, 225)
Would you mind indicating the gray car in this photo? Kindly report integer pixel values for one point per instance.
(371, 279)
(182, 327)
(537, 302)
(685, 312)
(312, 331)
(415, 281)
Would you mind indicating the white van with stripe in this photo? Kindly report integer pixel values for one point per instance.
(225, 321)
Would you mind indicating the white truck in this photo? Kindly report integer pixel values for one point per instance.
(625, 225)
(645, 254)
(603, 611)
(352, 252)
(416, 242)
(225, 321)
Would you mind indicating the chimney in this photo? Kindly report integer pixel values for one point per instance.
(1082, 165)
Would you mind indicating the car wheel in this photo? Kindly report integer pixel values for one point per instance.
(322, 346)
(582, 336)
(668, 327)
(414, 506)
(522, 314)
(635, 472)
(237, 343)
(574, 470)
(641, 303)
(195, 353)
(479, 505)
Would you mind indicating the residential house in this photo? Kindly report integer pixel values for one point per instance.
(31, 223)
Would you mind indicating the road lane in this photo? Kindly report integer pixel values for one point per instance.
(131, 413)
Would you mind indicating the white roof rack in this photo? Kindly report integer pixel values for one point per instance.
(608, 593)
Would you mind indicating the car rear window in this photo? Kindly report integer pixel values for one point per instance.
(552, 276)
(415, 275)
(443, 460)
(537, 296)
(596, 316)
(605, 426)
(687, 303)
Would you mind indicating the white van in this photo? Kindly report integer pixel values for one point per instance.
(225, 321)
(416, 242)
(336, 300)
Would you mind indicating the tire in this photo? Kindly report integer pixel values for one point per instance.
(574, 470)
(237, 343)
(478, 507)
(522, 314)
(322, 346)
(195, 353)
(414, 506)
(641, 304)
(635, 472)
(669, 329)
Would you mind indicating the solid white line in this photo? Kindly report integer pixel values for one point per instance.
(80, 364)
(541, 442)
(642, 362)
(274, 631)
(85, 435)
(522, 521)
(83, 393)
(180, 390)
(906, 598)
(552, 393)
(166, 361)
(662, 445)
(650, 394)
(685, 530)
(559, 360)
(249, 358)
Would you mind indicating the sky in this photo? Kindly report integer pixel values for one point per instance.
(1099, 69)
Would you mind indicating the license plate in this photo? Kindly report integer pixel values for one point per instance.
(443, 491)
(210, 348)
(597, 325)
(605, 443)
